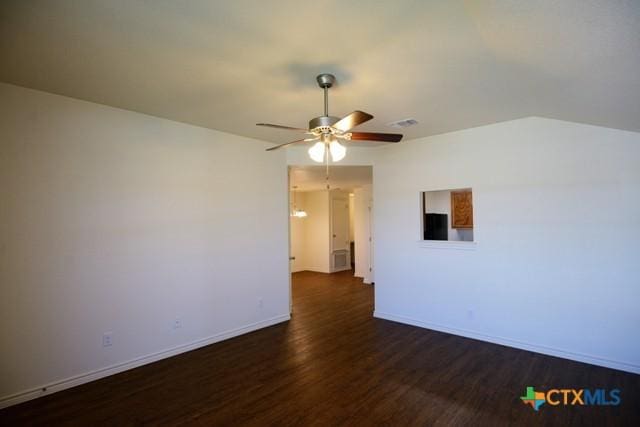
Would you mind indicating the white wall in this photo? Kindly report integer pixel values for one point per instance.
(113, 221)
(551, 271)
(438, 202)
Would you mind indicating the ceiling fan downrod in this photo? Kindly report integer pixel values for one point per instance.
(326, 81)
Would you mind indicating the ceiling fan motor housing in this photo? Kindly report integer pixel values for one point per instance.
(325, 80)
(322, 124)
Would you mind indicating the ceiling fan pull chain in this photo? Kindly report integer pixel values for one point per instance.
(327, 173)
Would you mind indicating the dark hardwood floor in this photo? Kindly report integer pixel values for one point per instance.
(334, 364)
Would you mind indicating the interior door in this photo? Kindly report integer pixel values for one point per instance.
(340, 224)
(340, 248)
(368, 276)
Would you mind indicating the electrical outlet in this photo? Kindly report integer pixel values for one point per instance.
(470, 314)
(107, 339)
(177, 323)
(260, 303)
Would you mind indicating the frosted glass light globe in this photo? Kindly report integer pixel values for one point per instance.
(317, 152)
(338, 151)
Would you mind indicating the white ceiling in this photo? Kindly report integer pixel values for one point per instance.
(312, 178)
(230, 64)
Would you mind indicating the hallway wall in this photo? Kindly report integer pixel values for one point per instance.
(310, 235)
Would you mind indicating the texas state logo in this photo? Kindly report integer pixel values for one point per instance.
(571, 397)
(534, 398)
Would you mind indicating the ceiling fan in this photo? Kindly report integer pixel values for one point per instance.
(328, 130)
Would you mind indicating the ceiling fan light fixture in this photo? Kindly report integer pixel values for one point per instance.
(337, 150)
(317, 152)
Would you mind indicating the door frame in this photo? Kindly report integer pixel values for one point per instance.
(332, 250)
(371, 215)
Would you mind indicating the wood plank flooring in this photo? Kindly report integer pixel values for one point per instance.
(334, 364)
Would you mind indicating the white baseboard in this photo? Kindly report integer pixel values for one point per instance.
(86, 377)
(578, 357)
(316, 271)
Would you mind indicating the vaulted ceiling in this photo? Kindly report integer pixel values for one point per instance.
(227, 65)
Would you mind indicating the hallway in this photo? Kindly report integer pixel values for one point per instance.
(333, 364)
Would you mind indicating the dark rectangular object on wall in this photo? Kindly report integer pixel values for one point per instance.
(435, 226)
(352, 246)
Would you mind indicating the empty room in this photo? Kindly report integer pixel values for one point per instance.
(297, 213)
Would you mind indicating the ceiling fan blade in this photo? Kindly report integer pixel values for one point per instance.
(373, 136)
(270, 125)
(289, 143)
(352, 120)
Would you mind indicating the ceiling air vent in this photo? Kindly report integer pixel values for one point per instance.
(403, 123)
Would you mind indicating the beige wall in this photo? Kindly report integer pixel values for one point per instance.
(315, 245)
(298, 233)
(311, 236)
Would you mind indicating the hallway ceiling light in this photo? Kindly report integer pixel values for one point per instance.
(297, 213)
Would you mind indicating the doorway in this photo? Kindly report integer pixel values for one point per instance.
(331, 230)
